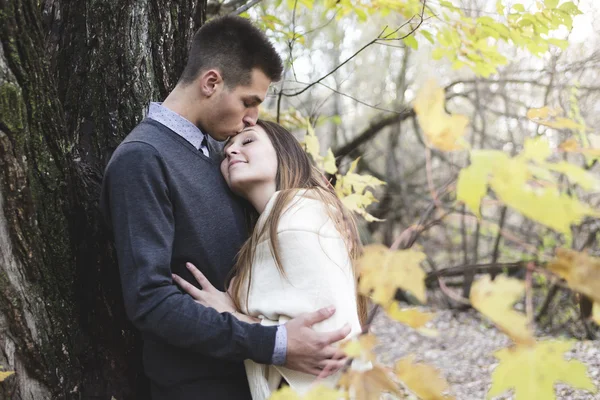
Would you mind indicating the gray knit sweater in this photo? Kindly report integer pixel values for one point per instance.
(168, 204)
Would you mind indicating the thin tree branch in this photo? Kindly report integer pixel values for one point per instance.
(379, 37)
(245, 7)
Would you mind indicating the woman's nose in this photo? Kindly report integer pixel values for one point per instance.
(231, 150)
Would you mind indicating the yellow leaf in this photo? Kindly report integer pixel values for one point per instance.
(576, 174)
(596, 313)
(441, 129)
(580, 270)
(311, 142)
(495, 300)
(369, 384)
(473, 180)
(535, 203)
(472, 185)
(410, 316)
(422, 379)
(383, 271)
(569, 145)
(321, 392)
(532, 371)
(361, 347)
(318, 392)
(358, 203)
(552, 118)
(537, 149)
(285, 393)
(329, 163)
(542, 113)
(5, 374)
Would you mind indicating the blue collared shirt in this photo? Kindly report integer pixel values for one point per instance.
(194, 135)
(179, 125)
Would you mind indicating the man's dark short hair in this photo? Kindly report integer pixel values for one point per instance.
(235, 47)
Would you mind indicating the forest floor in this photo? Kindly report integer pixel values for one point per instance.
(463, 352)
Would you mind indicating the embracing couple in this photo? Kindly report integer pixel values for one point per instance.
(235, 255)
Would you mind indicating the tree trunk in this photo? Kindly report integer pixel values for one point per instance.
(75, 78)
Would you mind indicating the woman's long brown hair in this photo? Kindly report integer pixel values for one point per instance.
(295, 171)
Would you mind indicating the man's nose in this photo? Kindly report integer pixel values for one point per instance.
(251, 117)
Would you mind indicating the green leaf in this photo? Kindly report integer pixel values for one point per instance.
(570, 8)
(427, 35)
(551, 3)
(447, 4)
(361, 14)
(518, 7)
(438, 53)
(411, 42)
(560, 43)
(499, 7)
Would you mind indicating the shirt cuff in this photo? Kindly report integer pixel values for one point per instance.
(280, 351)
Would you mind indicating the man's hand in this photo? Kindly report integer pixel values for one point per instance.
(209, 296)
(312, 352)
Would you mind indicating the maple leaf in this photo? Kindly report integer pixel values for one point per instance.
(317, 392)
(361, 347)
(357, 203)
(569, 145)
(5, 374)
(353, 182)
(473, 180)
(442, 130)
(311, 143)
(329, 163)
(537, 149)
(495, 300)
(552, 118)
(383, 271)
(351, 189)
(422, 379)
(534, 202)
(576, 174)
(369, 384)
(412, 317)
(572, 145)
(527, 184)
(580, 270)
(532, 371)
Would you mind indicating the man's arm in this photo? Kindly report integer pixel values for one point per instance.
(136, 201)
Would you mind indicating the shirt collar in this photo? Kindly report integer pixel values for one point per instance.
(176, 123)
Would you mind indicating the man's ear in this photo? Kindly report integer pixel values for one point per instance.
(209, 82)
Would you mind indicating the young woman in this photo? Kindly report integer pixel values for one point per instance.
(299, 257)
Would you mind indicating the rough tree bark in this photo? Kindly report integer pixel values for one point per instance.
(75, 77)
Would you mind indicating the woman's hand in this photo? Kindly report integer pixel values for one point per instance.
(209, 296)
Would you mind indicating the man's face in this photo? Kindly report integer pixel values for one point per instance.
(232, 109)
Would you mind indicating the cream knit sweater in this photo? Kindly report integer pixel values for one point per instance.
(319, 274)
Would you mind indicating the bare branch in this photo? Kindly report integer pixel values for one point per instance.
(245, 7)
(387, 37)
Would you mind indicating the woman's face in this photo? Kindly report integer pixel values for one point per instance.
(250, 160)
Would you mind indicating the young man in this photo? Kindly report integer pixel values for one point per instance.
(168, 204)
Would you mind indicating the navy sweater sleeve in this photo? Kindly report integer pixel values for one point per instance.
(136, 203)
